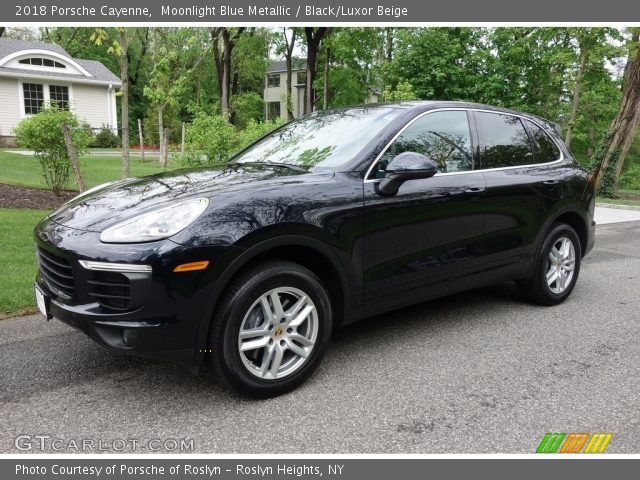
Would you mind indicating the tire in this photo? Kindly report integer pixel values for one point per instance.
(297, 333)
(538, 289)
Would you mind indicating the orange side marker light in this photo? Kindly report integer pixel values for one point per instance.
(190, 267)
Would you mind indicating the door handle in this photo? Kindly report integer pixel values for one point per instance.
(550, 183)
(474, 190)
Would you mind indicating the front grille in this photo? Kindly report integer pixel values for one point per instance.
(111, 290)
(56, 273)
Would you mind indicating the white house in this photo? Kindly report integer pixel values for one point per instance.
(275, 88)
(34, 74)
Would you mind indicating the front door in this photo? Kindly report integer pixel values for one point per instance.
(427, 239)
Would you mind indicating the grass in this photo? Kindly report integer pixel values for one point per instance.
(630, 191)
(24, 170)
(618, 201)
(17, 257)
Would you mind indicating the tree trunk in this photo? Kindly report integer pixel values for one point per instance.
(71, 152)
(325, 86)
(124, 111)
(165, 151)
(288, 56)
(141, 137)
(217, 60)
(388, 38)
(623, 128)
(223, 62)
(314, 37)
(584, 57)
(227, 46)
(161, 134)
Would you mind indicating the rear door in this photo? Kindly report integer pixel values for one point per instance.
(426, 240)
(523, 177)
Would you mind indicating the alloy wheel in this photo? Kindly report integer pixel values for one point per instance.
(278, 333)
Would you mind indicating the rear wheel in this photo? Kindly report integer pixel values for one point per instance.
(556, 269)
(270, 329)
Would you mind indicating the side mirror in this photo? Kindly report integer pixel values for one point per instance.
(403, 167)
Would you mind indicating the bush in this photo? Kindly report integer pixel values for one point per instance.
(43, 134)
(630, 178)
(246, 107)
(105, 138)
(254, 130)
(212, 136)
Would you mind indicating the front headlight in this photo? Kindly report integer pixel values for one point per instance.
(157, 224)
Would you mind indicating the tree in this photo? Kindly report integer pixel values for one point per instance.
(165, 85)
(222, 59)
(313, 37)
(590, 44)
(119, 49)
(325, 75)
(285, 46)
(613, 150)
(1, 31)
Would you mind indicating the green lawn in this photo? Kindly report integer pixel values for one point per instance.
(618, 201)
(17, 257)
(17, 169)
(633, 192)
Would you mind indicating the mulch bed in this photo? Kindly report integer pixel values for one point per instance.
(12, 196)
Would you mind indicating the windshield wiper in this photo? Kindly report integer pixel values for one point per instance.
(275, 164)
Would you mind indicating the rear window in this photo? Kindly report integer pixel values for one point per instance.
(546, 149)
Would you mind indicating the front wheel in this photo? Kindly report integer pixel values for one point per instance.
(556, 269)
(270, 329)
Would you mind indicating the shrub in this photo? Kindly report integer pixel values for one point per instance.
(43, 134)
(246, 107)
(105, 138)
(212, 136)
(254, 130)
(630, 178)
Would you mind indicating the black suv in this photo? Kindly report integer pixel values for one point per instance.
(330, 219)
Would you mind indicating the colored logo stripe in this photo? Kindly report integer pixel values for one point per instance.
(550, 442)
(598, 443)
(573, 442)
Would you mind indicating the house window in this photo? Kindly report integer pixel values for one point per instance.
(42, 62)
(273, 80)
(273, 110)
(33, 98)
(301, 78)
(59, 96)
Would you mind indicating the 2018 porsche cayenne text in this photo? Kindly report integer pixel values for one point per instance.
(332, 218)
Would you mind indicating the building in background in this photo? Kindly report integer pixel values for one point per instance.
(34, 74)
(275, 88)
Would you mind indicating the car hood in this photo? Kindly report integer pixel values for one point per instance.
(117, 201)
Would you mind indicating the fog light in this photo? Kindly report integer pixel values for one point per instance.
(129, 337)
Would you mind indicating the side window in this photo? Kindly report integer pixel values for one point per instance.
(503, 141)
(444, 137)
(546, 149)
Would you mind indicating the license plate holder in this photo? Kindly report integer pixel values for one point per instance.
(43, 303)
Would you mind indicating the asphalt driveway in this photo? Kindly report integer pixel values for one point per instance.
(475, 372)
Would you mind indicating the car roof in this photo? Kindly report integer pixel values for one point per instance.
(419, 106)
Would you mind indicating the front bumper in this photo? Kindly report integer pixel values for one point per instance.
(155, 313)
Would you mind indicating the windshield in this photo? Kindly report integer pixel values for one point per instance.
(322, 140)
